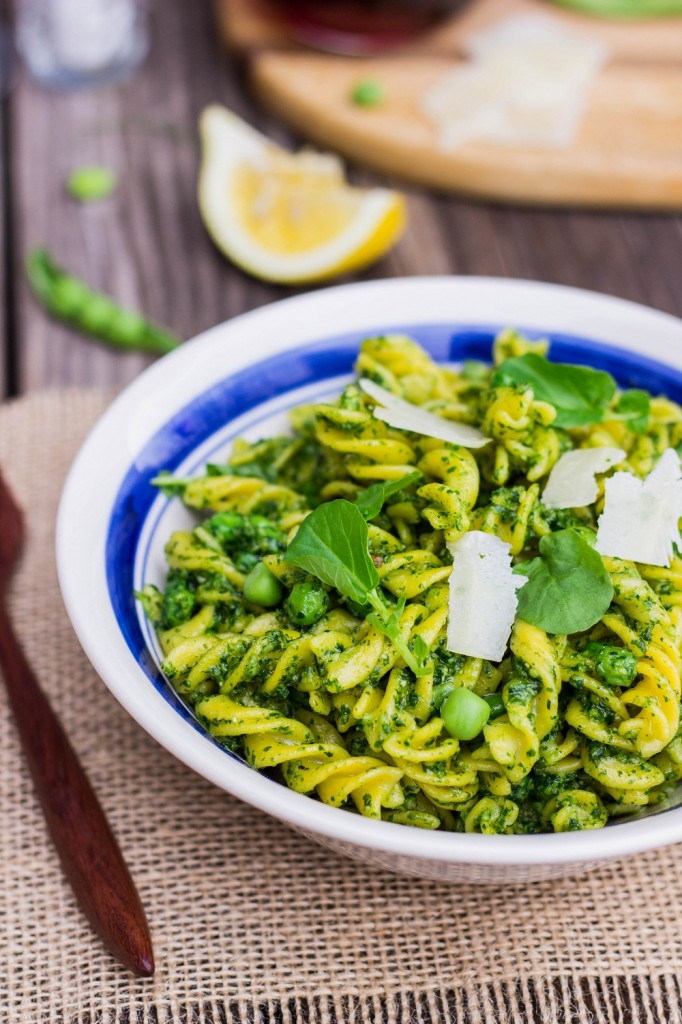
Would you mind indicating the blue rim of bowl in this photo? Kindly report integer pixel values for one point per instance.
(317, 362)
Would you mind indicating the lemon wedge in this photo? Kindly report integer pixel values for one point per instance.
(288, 217)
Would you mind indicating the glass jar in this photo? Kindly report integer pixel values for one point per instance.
(75, 43)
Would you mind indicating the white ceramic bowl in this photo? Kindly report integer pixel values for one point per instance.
(239, 378)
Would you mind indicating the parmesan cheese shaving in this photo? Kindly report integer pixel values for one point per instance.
(402, 415)
(483, 598)
(572, 482)
(640, 521)
(526, 84)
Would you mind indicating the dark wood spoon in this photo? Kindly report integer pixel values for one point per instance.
(90, 856)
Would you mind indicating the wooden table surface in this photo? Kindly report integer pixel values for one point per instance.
(146, 245)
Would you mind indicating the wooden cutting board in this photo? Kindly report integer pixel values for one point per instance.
(628, 152)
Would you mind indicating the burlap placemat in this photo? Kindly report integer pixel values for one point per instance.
(251, 922)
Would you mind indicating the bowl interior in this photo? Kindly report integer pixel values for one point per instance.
(253, 403)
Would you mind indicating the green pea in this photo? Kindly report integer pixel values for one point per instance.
(97, 313)
(495, 703)
(367, 93)
(306, 603)
(127, 327)
(261, 587)
(464, 714)
(88, 183)
(67, 297)
(615, 665)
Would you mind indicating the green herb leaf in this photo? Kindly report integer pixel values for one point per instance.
(420, 649)
(579, 394)
(371, 500)
(332, 544)
(634, 407)
(387, 621)
(568, 588)
(170, 485)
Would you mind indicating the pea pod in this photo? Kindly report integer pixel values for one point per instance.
(626, 9)
(70, 300)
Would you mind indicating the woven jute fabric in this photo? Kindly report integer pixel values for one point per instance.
(251, 921)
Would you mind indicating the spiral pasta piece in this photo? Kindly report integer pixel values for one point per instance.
(244, 494)
(429, 759)
(531, 698)
(454, 490)
(515, 515)
(491, 815)
(652, 636)
(574, 810)
(398, 364)
(524, 438)
(372, 450)
(510, 343)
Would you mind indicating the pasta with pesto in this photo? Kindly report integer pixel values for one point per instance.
(356, 697)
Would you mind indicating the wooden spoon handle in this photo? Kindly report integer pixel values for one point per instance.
(90, 855)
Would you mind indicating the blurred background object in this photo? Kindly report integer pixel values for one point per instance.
(521, 101)
(75, 43)
(362, 27)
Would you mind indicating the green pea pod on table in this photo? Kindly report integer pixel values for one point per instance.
(70, 300)
(625, 9)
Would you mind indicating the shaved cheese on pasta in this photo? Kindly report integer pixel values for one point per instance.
(526, 84)
(572, 483)
(402, 415)
(640, 521)
(483, 597)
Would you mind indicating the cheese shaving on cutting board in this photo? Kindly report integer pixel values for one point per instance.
(526, 84)
(572, 482)
(483, 599)
(402, 415)
(640, 521)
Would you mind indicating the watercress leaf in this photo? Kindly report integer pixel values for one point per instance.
(420, 649)
(217, 469)
(371, 500)
(568, 588)
(170, 485)
(579, 394)
(387, 621)
(634, 407)
(332, 544)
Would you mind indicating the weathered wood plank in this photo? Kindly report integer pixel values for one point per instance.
(4, 249)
